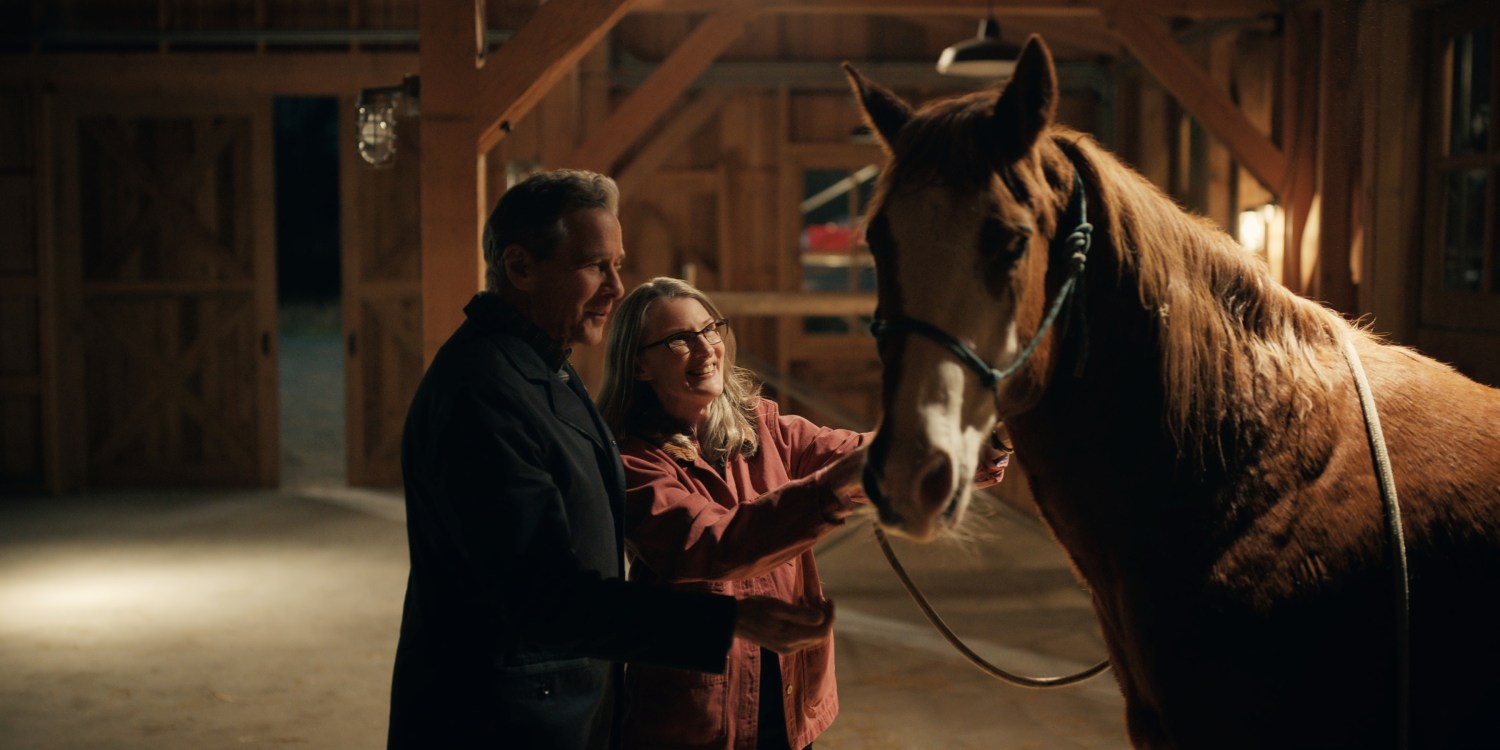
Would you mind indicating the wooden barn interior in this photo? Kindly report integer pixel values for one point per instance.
(150, 153)
(186, 196)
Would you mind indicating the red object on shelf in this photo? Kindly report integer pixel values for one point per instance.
(829, 238)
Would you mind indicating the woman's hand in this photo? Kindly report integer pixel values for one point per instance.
(845, 477)
(994, 456)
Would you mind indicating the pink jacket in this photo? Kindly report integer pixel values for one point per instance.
(747, 531)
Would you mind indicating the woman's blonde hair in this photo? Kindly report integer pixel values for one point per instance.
(630, 406)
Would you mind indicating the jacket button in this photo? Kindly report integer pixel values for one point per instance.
(788, 689)
(544, 691)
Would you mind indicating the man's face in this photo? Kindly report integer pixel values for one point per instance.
(578, 286)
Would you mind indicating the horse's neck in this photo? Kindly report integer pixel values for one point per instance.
(1098, 442)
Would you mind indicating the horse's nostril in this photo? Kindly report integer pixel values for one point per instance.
(936, 485)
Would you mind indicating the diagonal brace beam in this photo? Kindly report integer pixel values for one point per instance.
(666, 85)
(525, 68)
(1148, 40)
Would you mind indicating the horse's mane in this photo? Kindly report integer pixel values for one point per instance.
(1239, 350)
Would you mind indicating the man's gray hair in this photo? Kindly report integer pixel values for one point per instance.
(531, 214)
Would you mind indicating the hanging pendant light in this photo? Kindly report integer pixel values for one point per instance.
(984, 56)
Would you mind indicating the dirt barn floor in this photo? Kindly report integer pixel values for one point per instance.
(132, 619)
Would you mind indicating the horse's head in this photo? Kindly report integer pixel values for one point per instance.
(960, 229)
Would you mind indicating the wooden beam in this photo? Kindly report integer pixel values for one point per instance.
(668, 139)
(793, 304)
(290, 73)
(1148, 40)
(1056, 8)
(452, 188)
(666, 85)
(525, 68)
(1338, 136)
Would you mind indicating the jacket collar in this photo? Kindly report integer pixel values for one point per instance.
(549, 369)
(495, 315)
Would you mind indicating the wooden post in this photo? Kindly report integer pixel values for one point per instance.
(452, 193)
(525, 68)
(1393, 176)
(1299, 129)
(1337, 151)
(469, 103)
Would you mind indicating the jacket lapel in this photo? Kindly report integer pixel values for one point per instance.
(570, 403)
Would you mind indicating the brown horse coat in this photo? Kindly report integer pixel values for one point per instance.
(1192, 435)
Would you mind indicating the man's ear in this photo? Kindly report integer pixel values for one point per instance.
(519, 267)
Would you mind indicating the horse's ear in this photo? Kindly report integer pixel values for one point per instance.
(884, 112)
(1027, 105)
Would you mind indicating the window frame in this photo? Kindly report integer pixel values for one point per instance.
(1440, 305)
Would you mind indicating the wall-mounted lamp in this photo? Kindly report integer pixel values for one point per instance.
(984, 56)
(375, 119)
(1259, 229)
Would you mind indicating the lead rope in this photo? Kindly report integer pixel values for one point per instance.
(1395, 539)
(963, 648)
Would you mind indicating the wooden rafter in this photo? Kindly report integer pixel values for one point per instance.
(525, 68)
(1148, 40)
(1058, 8)
(468, 103)
(665, 86)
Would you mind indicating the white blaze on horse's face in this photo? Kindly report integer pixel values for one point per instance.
(949, 239)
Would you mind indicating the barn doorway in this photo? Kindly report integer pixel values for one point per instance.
(309, 292)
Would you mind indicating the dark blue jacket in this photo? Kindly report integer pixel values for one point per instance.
(515, 607)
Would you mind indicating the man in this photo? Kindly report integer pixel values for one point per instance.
(515, 607)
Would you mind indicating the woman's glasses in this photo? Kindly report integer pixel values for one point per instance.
(682, 343)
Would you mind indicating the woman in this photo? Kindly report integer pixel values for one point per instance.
(723, 494)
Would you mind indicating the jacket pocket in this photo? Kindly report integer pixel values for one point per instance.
(674, 708)
(816, 678)
(550, 704)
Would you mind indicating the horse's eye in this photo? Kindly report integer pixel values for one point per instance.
(1007, 242)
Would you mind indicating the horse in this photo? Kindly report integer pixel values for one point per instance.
(1190, 430)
